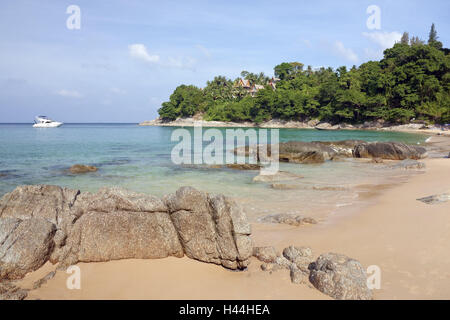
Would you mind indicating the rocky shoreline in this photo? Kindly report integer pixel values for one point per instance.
(321, 151)
(311, 124)
(40, 223)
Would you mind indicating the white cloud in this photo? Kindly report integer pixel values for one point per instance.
(139, 51)
(204, 50)
(344, 52)
(69, 93)
(383, 39)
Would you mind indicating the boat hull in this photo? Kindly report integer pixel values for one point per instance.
(48, 125)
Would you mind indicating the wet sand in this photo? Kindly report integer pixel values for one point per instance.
(409, 240)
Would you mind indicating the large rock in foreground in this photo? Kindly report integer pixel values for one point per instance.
(389, 150)
(8, 291)
(211, 228)
(25, 245)
(105, 236)
(41, 223)
(38, 201)
(340, 277)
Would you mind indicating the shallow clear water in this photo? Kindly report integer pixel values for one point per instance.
(138, 158)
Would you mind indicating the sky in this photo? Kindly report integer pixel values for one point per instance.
(127, 56)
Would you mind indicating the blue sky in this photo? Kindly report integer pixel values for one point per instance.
(129, 55)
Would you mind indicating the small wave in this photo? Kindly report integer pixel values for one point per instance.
(345, 204)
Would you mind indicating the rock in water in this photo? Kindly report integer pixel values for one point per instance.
(326, 126)
(244, 166)
(342, 148)
(301, 152)
(316, 151)
(304, 152)
(389, 150)
(340, 277)
(81, 168)
(26, 245)
(284, 186)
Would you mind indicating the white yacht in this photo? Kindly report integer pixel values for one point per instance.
(44, 122)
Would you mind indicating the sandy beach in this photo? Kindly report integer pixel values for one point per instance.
(408, 239)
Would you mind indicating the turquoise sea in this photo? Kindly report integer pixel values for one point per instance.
(139, 158)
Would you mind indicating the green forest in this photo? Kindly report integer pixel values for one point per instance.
(410, 83)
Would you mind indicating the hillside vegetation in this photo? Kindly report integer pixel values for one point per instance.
(411, 82)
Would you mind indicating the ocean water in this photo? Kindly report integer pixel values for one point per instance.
(139, 158)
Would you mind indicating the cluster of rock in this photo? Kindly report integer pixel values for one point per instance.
(320, 151)
(389, 150)
(380, 124)
(316, 151)
(40, 223)
(336, 275)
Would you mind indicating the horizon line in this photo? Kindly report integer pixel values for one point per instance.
(75, 122)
